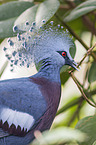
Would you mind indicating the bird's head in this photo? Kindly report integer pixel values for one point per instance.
(55, 47)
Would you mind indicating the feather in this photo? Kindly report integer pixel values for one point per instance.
(13, 117)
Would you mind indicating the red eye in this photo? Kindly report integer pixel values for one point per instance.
(64, 53)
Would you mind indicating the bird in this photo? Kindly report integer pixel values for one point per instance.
(30, 103)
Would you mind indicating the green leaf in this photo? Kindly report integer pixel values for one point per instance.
(88, 126)
(8, 15)
(60, 135)
(6, 28)
(46, 10)
(37, 13)
(13, 9)
(92, 73)
(64, 77)
(28, 15)
(81, 10)
(73, 49)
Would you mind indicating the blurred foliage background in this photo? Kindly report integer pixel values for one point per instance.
(75, 122)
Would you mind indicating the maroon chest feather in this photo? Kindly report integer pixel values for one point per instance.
(51, 92)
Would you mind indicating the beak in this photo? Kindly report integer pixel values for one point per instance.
(72, 63)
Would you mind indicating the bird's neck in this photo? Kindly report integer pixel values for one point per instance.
(49, 71)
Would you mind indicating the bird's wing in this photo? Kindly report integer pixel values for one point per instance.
(21, 106)
(15, 122)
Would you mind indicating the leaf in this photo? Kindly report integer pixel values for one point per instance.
(81, 10)
(28, 15)
(92, 73)
(6, 28)
(37, 13)
(46, 10)
(8, 15)
(88, 126)
(60, 135)
(13, 9)
(64, 77)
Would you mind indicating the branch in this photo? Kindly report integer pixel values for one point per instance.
(71, 4)
(69, 105)
(89, 24)
(74, 102)
(81, 90)
(86, 54)
(65, 7)
(75, 80)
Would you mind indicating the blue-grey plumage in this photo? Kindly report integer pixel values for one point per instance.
(29, 104)
(19, 92)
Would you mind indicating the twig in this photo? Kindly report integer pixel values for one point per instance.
(86, 54)
(74, 102)
(65, 7)
(67, 106)
(71, 4)
(81, 90)
(89, 24)
(90, 49)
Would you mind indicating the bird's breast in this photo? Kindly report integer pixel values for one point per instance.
(50, 90)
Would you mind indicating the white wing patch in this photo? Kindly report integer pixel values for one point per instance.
(17, 118)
